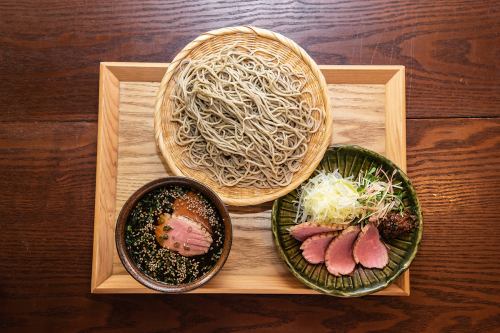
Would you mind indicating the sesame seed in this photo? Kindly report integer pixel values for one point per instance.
(160, 263)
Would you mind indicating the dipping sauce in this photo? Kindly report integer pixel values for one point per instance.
(150, 239)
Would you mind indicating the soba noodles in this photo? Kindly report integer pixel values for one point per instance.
(244, 117)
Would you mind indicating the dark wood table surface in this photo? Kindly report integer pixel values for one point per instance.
(49, 61)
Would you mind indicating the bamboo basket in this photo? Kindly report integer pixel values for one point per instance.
(286, 51)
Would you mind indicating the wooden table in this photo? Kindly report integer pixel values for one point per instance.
(49, 60)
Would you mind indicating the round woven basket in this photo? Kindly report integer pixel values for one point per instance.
(286, 51)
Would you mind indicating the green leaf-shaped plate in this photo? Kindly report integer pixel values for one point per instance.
(350, 161)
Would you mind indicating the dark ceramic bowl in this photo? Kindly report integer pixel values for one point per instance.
(350, 161)
(129, 263)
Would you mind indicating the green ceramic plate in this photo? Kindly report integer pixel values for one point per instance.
(349, 160)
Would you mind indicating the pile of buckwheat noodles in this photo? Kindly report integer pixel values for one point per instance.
(243, 116)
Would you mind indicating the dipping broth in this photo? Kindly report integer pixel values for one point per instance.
(161, 263)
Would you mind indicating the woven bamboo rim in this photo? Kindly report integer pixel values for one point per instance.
(285, 49)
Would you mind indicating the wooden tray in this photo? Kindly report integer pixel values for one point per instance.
(368, 105)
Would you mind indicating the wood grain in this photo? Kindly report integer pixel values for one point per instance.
(107, 158)
(45, 273)
(395, 116)
(343, 74)
(139, 161)
(452, 51)
(49, 71)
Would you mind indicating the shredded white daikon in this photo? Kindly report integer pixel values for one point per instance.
(329, 198)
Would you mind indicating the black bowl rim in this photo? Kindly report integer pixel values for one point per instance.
(128, 262)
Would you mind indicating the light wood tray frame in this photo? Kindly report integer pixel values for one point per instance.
(368, 105)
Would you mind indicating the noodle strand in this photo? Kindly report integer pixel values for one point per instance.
(243, 116)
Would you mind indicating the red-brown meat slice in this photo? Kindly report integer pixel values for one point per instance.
(183, 235)
(338, 256)
(313, 248)
(369, 250)
(307, 229)
(190, 206)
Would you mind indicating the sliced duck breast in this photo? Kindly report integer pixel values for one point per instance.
(190, 206)
(369, 250)
(183, 235)
(338, 256)
(304, 230)
(314, 247)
